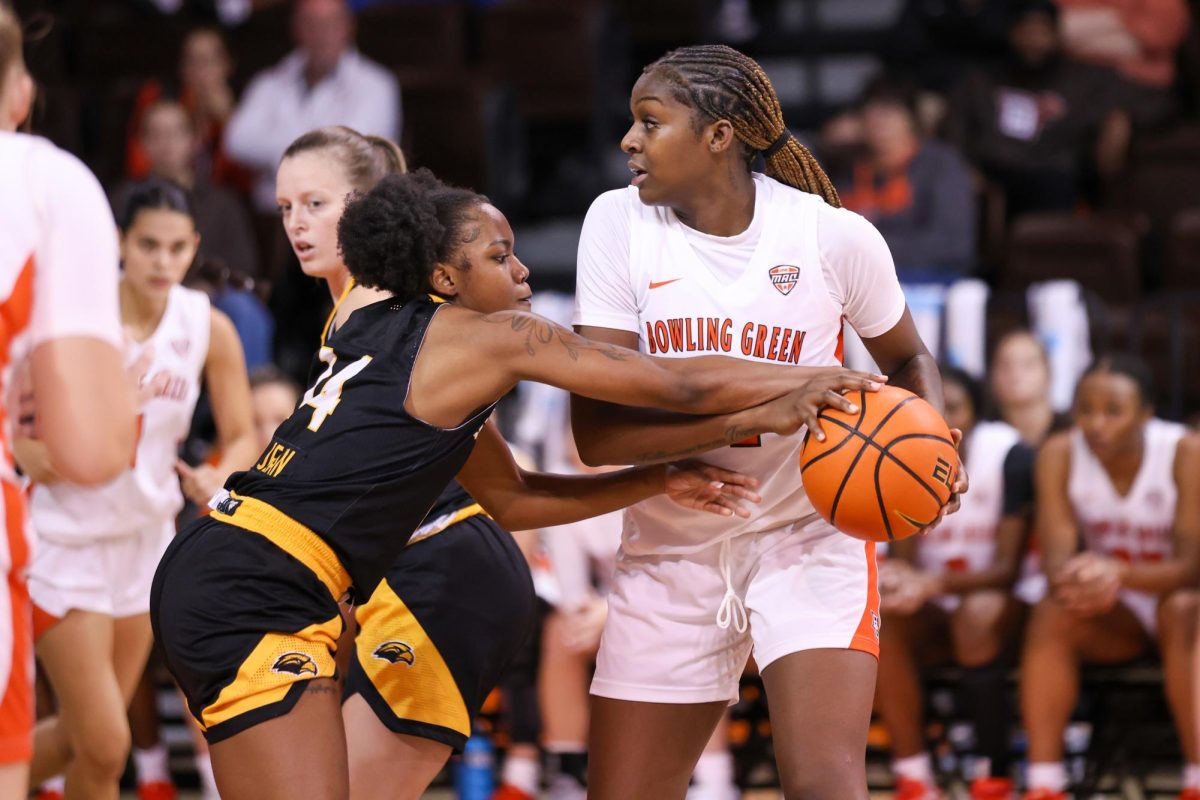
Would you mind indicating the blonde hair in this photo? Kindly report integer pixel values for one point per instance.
(366, 160)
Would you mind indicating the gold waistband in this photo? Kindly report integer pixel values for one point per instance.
(288, 535)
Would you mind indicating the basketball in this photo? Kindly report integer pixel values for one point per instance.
(884, 473)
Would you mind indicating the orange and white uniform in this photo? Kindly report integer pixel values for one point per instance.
(58, 279)
(98, 546)
(783, 580)
(1137, 526)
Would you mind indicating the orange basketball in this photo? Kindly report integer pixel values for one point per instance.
(884, 473)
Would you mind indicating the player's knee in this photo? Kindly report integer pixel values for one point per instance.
(103, 750)
(975, 629)
(1178, 611)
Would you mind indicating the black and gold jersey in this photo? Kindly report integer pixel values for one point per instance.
(350, 463)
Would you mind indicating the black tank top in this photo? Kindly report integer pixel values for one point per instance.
(350, 463)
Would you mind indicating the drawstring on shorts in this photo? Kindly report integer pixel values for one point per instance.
(732, 610)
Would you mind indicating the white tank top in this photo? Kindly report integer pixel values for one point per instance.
(147, 495)
(774, 298)
(966, 540)
(58, 280)
(1137, 526)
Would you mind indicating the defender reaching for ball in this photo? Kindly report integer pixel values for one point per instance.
(245, 603)
(702, 255)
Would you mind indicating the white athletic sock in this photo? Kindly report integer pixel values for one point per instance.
(915, 768)
(714, 769)
(521, 772)
(1048, 775)
(1191, 776)
(151, 764)
(208, 781)
(56, 784)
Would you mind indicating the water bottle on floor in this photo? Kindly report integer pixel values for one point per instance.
(474, 778)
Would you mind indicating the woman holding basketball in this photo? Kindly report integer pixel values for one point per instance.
(1118, 526)
(246, 602)
(461, 586)
(702, 255)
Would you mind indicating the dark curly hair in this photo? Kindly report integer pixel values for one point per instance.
(392, 237)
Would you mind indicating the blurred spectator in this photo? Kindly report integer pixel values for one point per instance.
(1139, 39)
(1020, 384)
(916, 191)
(203, 88)
(325, 81)
(275, 396)
(169, 143)
(1028, 123)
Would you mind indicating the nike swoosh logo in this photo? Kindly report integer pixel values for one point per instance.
(658, 284)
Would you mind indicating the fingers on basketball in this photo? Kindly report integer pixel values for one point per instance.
(885, 472)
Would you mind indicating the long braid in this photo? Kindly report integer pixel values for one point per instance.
(722, 83)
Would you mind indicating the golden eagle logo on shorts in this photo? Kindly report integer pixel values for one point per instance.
(394, 652)
(295, 664)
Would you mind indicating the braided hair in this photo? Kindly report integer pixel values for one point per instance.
(722, 83)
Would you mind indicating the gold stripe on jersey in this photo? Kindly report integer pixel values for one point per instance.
(277, 662)
(350, 283)
(436, 526)
(290, 536)
(404, 665)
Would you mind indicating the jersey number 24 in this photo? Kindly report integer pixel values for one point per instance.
(325, 401)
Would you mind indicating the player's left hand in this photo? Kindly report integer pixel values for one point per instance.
(961, 484)
(1088, 584)
(199, 483)
(703, 487)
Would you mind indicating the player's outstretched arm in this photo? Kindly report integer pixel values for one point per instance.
(608, 433)
(519, 499)
(536, 349)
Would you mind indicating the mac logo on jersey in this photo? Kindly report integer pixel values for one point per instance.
(295, 664)
(395, 652)
(784, 277)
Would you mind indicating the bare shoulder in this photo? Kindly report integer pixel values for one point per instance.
(1056, 450)
(1187, 452)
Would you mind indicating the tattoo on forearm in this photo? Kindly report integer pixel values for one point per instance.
(540, 333)
(734, 433)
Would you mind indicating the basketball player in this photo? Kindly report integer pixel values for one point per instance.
(245, 602)
(947, 596)
(397, 736)
(58, 300)
(702, 255)
(98, 547)
(1118, 526)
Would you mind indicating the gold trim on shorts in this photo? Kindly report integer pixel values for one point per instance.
(290, 536)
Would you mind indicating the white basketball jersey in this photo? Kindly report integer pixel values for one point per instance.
(1137, 526)
(780, 308)
(147, 495)
(965, 541)
(58, 279)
